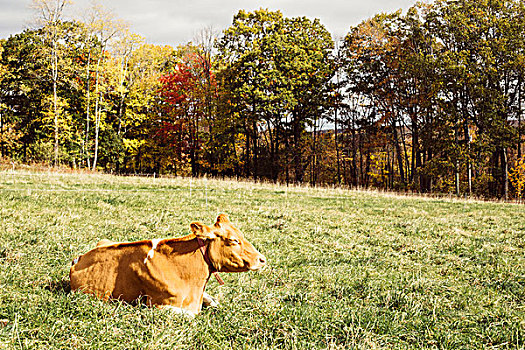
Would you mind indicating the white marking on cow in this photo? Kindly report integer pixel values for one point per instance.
(179, 311)
(209, 301)
(75, 260)
(154, 243)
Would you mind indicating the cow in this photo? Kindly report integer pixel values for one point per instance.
(168, 273)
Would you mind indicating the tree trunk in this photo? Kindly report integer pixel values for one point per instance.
(97, 129)
(255, 139)
(429, 178)
(337, 152)
(355, 144)
(519, 115)
(55, 97)
(247, 160)
(399, 154)
(273, 142)
(88, 110)
(2, 152)
(456, 136)
(193, 147)
(313, 179)
(505, 169)
(416, 156)
(361, 175)
(466, 132)
(97, 108)
(298, 160)
(408, 172)
(366, 176)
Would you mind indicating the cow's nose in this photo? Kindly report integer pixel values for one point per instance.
(257, 263)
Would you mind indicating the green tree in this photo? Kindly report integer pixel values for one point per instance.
(250, 77)
(21, 92)
(306, 63)
(481, 83)
(277, 73)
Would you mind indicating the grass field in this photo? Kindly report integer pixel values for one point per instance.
(346, 270)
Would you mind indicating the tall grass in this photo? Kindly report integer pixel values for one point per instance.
(346, 269)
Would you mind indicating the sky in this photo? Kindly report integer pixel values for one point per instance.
(175, 22)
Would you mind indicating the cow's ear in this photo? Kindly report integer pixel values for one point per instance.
(201, 230)
(223, 218)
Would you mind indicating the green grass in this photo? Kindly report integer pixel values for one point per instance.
(346, 270)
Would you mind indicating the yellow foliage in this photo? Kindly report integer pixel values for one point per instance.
(517, 176)
(132, 145)
(379, 166)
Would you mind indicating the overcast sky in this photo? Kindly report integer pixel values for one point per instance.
(174, 22)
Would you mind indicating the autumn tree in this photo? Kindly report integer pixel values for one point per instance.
(140, 109)
(445, 86)
(375, 74)
(430, 99)
(517, 177)
(3, 106)
(49, 17)
(102, 28)
(186, 94)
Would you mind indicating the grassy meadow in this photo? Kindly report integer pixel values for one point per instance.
(347, 269)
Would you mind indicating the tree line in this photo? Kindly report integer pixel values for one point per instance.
(426, 100)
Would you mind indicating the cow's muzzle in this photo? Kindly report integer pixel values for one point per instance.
(259, 263)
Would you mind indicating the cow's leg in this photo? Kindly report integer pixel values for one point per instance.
(209, 301)
(178, 310)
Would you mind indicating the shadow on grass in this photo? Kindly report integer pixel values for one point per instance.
(58, 287)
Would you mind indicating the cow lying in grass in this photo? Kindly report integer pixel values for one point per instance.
(168, 273)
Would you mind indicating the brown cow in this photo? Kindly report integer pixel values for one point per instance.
(168, 273)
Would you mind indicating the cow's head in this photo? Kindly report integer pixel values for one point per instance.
(228, 250)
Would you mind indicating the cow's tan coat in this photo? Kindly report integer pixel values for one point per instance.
(169, 272)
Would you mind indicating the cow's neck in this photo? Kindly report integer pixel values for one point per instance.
(204, 249)
(187, 257)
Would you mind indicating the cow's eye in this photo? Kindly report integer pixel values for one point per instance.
(234, 241)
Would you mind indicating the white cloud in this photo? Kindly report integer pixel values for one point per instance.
(175, 22)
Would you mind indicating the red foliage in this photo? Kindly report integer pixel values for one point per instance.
(176, 86)
(183, 93)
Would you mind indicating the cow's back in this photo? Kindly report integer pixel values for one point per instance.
(110, 271)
